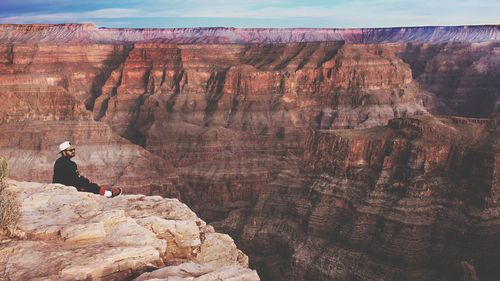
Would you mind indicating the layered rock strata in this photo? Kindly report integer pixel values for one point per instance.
(414, 200)
(231, 116)
(203, 108)
(70, 235)
(102, 156)
(463, 77)
(45, 92)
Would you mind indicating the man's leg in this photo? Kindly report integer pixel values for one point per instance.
(93, 188)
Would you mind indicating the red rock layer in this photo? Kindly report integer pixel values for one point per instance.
(216, 85)
(102, 156)
(44, 89)
(231, 116)
(232, 119)
(52, 82)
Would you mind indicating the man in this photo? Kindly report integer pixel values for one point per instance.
(66, 172)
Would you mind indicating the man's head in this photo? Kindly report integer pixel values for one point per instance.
(66, 149)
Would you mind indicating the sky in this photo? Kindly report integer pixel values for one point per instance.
(253, 13)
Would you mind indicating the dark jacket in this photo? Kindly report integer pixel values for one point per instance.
(66, 172)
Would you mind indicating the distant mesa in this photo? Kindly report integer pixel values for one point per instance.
(73, 32)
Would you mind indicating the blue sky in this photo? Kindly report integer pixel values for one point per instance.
(252, 13)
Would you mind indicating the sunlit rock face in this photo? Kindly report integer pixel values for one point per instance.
(45, 89)
(213, 111)
(71, 235)
(230, 117)
(286, 140)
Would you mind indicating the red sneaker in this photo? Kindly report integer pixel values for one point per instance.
(115, 191)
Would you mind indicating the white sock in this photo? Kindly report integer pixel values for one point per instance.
(108, 193)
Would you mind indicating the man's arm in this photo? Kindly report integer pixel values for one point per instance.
(81, 180)
(65, 172)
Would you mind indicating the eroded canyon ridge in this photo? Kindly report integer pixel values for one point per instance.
(328, 154)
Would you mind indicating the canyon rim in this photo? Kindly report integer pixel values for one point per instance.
(326, 154)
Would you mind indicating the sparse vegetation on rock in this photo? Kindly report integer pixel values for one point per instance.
(4, 168)
(9, 202)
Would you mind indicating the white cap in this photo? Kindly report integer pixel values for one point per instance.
(65, 145)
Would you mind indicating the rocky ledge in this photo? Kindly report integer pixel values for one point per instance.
(68, 235)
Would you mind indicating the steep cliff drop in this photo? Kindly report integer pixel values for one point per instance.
(409, 201)
(290, 144)
(463, 76)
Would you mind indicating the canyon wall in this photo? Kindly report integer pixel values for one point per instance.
(230, 117)
(413, 200)
(44, 95)
(463, 77)
(197, 107)
(321, 159)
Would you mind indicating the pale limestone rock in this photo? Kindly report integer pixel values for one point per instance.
(81, 232)
(198, 272)
(49, 260)
(132, 234)
(183, 236)
(242, 259)
(73, 235)
(186, 233)
(110, 218)
(218, 250)
(109, 262)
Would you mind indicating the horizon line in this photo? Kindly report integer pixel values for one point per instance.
(232, 27)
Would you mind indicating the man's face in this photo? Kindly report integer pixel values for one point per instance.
(69, 152)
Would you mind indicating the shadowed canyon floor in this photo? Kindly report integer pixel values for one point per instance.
(323, 160)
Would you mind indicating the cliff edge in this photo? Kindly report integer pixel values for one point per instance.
(68, 235)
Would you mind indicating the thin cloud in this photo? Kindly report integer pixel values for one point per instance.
(354, 13)
(115, 13)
